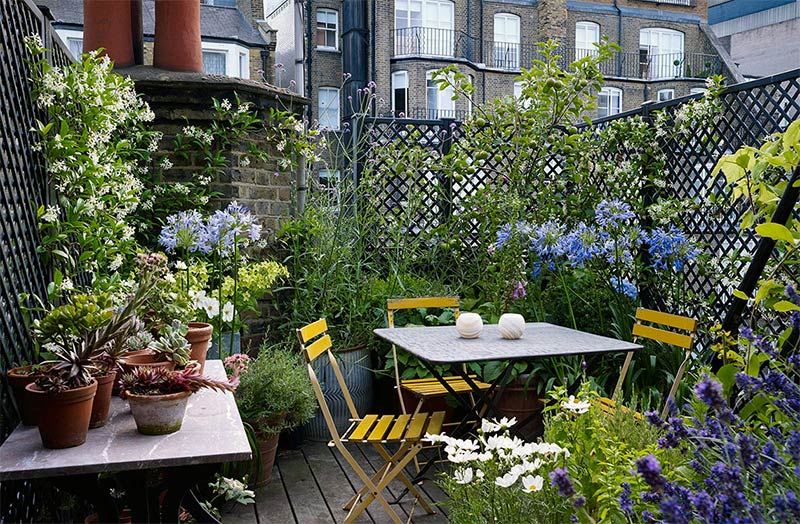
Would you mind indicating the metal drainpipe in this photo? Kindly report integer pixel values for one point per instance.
(309, 92)
(619, 38)
(374, 75)
(264, 61)
(480, 50)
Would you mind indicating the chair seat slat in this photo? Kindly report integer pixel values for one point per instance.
(395, 304)
(379, 431)
(363, 427)
(417, 426)
(399, 427)
(435, 424)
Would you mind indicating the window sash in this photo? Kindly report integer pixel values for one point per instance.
(327, 29)
(609, 102)
(329, 111)
(215, 62)
(506, 28)
(400, 93)
(586, 35)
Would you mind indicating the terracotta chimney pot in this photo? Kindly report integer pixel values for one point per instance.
(177, 39)
(107, 24)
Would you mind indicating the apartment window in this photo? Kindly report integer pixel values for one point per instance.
(660, 53)
(327, 29)
(506, 41)
(424, 27)
(609, 101)
(220, 3)
(440, 102)
(329, 114)
(75, 46)
(244, 66)
(400, 93)
(215, 62)
(587, 34)
(517, 90)
(698, 91)
(665, 94)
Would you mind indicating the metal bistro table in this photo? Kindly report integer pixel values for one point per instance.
(147, 466)
(443, 345)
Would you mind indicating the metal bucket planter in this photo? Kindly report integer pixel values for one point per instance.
(355, 365)
(225, 341)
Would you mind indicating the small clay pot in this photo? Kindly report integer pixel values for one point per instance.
(158, 414)
(64, 417)
(102, 399)
(18, 379)
(261, 473)
(199, 337)
(144, 359)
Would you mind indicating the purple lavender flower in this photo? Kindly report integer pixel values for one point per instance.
(625, 502)
(185, 230)
(560, 479)
(649, 468)
(710, 392)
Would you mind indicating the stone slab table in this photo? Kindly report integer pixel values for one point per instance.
(212, 433)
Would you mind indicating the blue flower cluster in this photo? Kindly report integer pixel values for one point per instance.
(223, 230)
(670, 248)
(625, 287)
(613, 214)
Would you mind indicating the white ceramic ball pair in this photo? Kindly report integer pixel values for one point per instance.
(510, 325)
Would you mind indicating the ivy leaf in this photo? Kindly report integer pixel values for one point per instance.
(775, 231)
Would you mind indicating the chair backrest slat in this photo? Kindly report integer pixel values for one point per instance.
(318, 347)
(666, 319)
(313, 330)
(661, 335)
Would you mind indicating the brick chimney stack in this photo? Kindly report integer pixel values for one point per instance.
(553, 20)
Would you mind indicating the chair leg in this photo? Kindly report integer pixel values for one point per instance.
(373, 490)
(676, 383)
(379, 474)
(420, 401)
(405, 480)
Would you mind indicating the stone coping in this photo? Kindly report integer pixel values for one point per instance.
(212, 432)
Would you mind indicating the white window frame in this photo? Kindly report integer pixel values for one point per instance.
(335, 14)
(232, 53)
(613, 94)
(698, 91)
(660, 57)
(665, 95)
(424, 27)
(398, 79)
(70, 34)
(444, 98)
(328, 120)
(507, 42)
(587, 34)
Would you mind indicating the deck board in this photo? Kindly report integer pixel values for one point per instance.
(310, 485)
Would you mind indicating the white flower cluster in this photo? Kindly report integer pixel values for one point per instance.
(210, 305)
(198, 134)
(515, 460)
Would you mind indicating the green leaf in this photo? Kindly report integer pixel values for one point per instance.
(738, 293)
(791, 137)
(727, 377)
(784, 306)
(775, 231)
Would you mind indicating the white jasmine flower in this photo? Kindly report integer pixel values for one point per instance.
(575, 406)
(67, 285)
(531, 483)
(116, 263)
(165, 164)
(181, 265)
(463, 476)
(227, 312)
(226, 105)
(244, 161)
(51, 215)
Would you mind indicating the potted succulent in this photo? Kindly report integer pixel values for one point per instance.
(158, 396)
(75, 334)
(18, 379)
(169, 350)
(273, 394)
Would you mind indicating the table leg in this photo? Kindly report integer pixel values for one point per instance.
(179, 491)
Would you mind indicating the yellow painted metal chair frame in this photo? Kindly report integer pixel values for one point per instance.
(681, 334)
(425, 388)
(377, 430)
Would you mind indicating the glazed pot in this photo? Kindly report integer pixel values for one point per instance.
(177, 44)
(107, 24)
(18, 379)
(520, 399)
(102, 399)
(64, 417)
(199, 337)
(158, 414)
(261, 471)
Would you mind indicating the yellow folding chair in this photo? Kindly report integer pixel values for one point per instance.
(681, 334)
(377, 430)
(427, 388)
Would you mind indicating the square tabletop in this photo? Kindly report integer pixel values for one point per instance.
(443, 344)
(212, 432)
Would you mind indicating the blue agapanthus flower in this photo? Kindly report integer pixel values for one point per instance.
(187, 231)
(584, 244)
(611, 214)
(546, 244)
(625, 287)
(670, 248)
(503, 235)
(233, 226)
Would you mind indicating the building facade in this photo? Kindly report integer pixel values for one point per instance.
(760, 36)
(667, 49)
(236, 39)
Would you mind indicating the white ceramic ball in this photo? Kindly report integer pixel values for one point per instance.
(511, 326)
(469, 325)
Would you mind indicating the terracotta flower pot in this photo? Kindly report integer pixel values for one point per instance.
(158, 414)
(18, 379)
(523, 402)
(199, 337)
(144, 359)
(107, 24)
(64, 417)
(102, 400)
(261, 472)
(177, 44)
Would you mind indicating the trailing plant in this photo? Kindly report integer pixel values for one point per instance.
(161, 381)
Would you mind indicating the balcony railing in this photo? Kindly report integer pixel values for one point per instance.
(437, 114)
(429, 41)
(686, 3)
(509, 56)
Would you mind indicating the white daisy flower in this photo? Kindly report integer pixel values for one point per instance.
(463, 476)
(531, 483)
(211, 307)
(575, 406)
(227, 312)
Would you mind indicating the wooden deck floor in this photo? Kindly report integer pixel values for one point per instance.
(310, 485)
